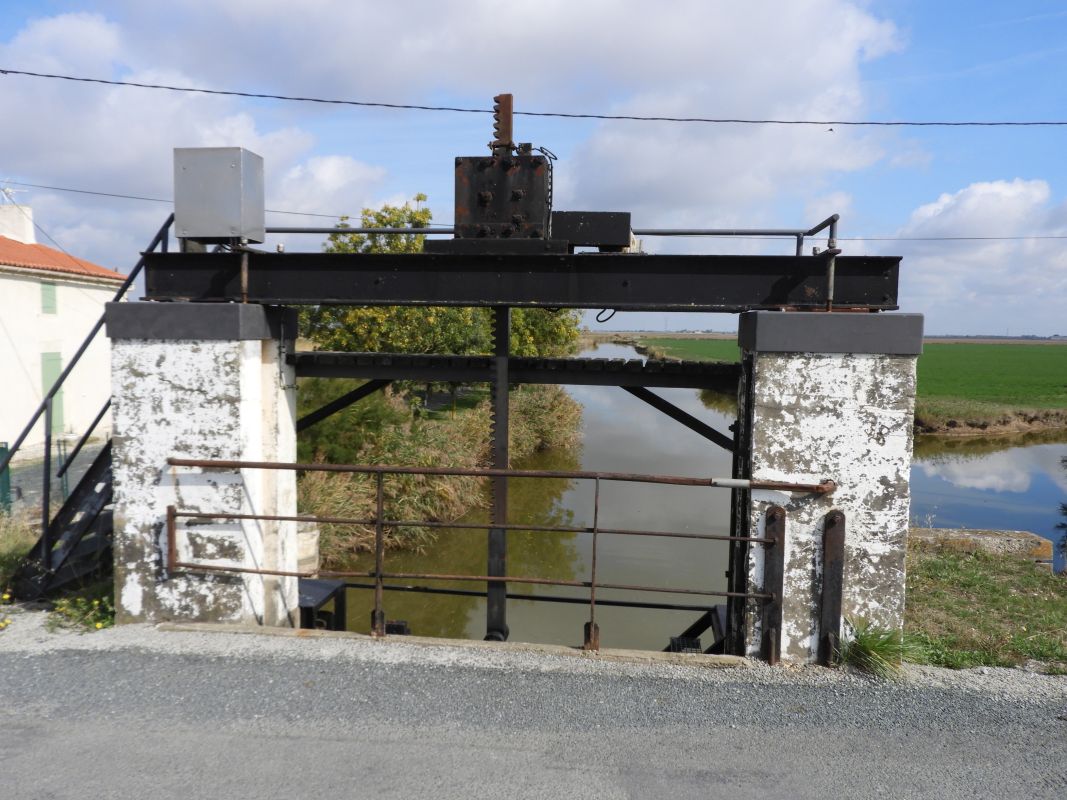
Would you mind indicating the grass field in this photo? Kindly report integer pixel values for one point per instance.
(974, 609)
(963, 386)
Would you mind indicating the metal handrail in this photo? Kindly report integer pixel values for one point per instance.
(380, 523)
(800, 234)
(85, 437)
(161, 239)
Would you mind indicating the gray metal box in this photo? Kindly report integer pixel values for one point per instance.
(218, 194)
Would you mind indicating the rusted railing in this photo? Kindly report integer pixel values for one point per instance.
(772, 542)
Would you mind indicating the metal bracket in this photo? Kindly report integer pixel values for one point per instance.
(773, 582)
(833, 572)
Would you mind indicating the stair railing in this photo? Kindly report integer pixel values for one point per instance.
(162, 241)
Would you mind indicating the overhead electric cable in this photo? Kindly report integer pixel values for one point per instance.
(171, 202)
(871, 238)
(557, 114)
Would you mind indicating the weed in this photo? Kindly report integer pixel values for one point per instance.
(541, 417)
(90, 610)
(17, 535)
(874, 650)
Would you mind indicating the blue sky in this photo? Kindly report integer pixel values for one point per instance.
(808, 59)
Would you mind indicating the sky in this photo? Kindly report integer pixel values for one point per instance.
(899, 190)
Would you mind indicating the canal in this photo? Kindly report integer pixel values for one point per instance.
(978, 483)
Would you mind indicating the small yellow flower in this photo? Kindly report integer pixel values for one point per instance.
(96, 603)
(5, 597)
(99, 625)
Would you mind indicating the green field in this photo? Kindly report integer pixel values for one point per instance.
(693, 349)
(1030, 375)
(962, 385)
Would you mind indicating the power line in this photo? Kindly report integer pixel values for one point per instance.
(152, 199)
(871, 238)
(557, 114)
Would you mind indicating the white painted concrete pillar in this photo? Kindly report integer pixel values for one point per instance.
(829, 395)
(202, 381)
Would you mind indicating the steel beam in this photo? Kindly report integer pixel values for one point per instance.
(684, 417)
(342, 402)
(623, 281)
(479, 369)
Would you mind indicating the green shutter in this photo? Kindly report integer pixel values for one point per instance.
(51, 367)
(48, 298)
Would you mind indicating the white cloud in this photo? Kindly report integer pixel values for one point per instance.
(973, 287)
(329, 184)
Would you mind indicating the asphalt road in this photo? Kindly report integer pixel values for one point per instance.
(135, 722)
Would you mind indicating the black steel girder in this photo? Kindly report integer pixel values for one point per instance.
(475, 369)
(624, 281)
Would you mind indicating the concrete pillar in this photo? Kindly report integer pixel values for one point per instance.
(202, 381)
(829, 395)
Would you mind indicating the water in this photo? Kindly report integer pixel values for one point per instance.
(1000, 484)
(1014, 484)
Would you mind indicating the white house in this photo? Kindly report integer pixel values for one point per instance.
(49, 302)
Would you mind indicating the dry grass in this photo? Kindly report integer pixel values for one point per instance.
(541, 417)
(17, 535)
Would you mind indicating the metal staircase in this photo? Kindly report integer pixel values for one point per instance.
(78, 540)
(75, 542)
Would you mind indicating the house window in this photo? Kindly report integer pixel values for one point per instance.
(48, 298)
(51, 367)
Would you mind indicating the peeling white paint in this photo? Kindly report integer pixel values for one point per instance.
(847, 417)
(131, 595)
(202, 399)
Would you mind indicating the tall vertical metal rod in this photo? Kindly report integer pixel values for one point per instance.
(244, 276)
(831, 264)
(46, 486)
(800, 244)
(5, 481)
(378, 615)
(592, 630)
(496, 628)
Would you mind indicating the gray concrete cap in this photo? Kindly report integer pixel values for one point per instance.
(821, 332)
(198, 321)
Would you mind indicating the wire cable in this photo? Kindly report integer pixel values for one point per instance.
(871, 238)
(556, 114)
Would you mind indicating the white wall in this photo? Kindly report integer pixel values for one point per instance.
(26, 332)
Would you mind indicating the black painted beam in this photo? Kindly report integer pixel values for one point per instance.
(624, 281)
(684, 417)
(479, 369)
(342, 402)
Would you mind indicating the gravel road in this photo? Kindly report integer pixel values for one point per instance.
(140, 712)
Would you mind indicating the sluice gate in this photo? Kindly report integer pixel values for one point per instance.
(203, 455)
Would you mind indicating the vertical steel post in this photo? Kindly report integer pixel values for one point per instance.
(773, 582)
(5, 480)
(592, 630)
(831, 264)
(377, 621)
(496, 628)
(833, 574)
(64, 477)
(46, 487)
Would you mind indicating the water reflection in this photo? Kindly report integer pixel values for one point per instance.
(994, 484)
(461, 551)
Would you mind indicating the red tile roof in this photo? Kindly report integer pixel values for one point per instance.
(45, 259)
